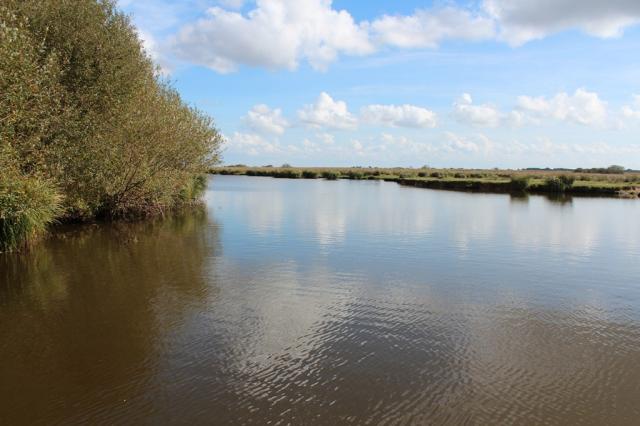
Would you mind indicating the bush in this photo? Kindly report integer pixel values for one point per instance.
(559, 184)
(309, 174)
(567, 180)
(352, 174)
(288, 174)
(330, 175)
(84, 109)
(520, 183)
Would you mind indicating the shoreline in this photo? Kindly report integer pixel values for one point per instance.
(482, 181)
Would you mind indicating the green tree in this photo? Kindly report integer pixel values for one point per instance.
(85, 114)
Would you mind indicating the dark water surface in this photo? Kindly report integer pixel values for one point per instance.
(316, 302)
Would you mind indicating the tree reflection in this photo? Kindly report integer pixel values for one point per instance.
(83, 318)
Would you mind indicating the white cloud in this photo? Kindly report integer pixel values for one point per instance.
(263, 119)
(459, 143)
(251, 144)
(405, 145)
(327, 138)
(282, 34)
(632, 111)
(399, 116)
(477, 115)
(327, 113)
(276, 34)
(427, 28)
(524, 20)
(357, 145)
(583, 107)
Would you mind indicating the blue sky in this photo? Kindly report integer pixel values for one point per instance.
(490, 83)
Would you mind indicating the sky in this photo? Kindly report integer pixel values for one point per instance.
(487, 83)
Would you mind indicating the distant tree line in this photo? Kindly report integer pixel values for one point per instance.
(611, 170)
(88, 127)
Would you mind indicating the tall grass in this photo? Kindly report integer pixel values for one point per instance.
(27, 206)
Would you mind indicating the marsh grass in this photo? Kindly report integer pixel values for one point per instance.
(544, 181)
(27, 207)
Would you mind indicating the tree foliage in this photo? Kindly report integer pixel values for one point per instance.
(84, 111)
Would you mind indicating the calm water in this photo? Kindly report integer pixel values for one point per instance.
(315, 302)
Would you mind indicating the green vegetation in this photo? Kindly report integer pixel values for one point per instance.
(617, 170)
(330, 175)
(535, 181)
(88, 127)
(559, 184)
(27, 206)
(520, 183)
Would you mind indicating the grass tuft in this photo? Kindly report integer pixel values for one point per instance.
(27, 207)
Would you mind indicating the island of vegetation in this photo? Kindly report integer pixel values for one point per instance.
(89, 128)
(612, 181)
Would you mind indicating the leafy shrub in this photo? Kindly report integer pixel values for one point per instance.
(85, 111)
(519, 183)
(288, 174)
(355, 175)
(309, 174)
(567, 180)
(330, 175)
(559, 184)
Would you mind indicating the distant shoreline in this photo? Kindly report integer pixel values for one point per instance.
(620, 185)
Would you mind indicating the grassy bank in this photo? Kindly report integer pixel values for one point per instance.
(89, 128)
(625, 185)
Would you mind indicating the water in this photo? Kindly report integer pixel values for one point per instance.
(316, 302)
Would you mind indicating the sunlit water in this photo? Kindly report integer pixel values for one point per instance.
(317, 302)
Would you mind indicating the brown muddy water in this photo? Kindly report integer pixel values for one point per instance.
(316, 302)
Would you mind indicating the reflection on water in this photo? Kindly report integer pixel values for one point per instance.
(315, 302)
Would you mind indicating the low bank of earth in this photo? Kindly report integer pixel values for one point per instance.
(625, 185)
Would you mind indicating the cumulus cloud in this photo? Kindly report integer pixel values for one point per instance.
(523, 20)
(327, 113)
(427, 28)
(282, 34)
(251, 144)
(583, 107)
(485, 115)
(632, 111)
(276, 34)
(327, 138)
(459, 143)
(263, 119)
(398, 116)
